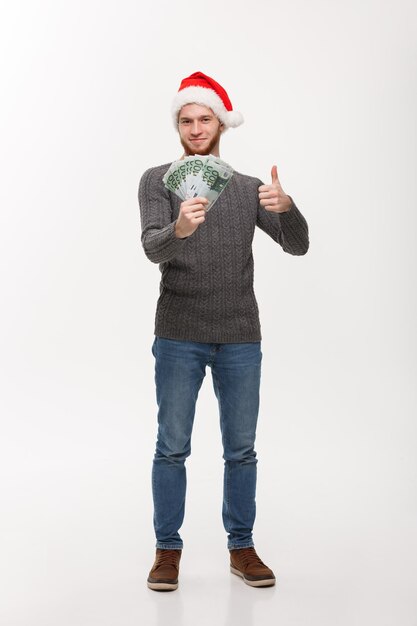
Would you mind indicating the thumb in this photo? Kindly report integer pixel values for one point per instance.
(274, 174)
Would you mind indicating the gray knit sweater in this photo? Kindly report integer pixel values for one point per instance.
(206, 288)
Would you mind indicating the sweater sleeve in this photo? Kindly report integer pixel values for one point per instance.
(289, 229)
(158, 227)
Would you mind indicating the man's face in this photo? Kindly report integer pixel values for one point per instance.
(199, 130)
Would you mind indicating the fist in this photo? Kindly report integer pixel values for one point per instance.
(192, 214)
(272, 197)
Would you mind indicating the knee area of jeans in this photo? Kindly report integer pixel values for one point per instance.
(175, 457)
(173, 443)
(244, 459)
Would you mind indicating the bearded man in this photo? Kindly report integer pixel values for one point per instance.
(207, 315)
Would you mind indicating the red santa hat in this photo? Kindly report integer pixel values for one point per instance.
(201, 89)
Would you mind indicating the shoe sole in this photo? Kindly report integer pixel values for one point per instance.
(265, 582)
(162, 586)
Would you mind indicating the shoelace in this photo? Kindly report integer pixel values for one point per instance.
(167, 557)
(248, 555)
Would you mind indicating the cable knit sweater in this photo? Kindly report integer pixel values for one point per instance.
(206, 288)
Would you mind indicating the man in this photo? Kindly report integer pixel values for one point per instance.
(207, 315)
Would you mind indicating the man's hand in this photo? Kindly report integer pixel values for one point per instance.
(191, 215)
(272, 197)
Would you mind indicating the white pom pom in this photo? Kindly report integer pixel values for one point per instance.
(234, 119)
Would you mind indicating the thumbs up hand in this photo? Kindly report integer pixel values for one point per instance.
(272, 197)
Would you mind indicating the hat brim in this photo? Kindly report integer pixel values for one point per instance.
(205, 97)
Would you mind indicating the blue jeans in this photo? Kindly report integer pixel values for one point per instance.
(180, 367)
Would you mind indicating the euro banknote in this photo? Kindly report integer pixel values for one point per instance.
(198, 175)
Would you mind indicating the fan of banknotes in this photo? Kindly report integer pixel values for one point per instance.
(198, 175)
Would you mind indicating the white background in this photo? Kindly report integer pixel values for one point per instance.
(328, 92)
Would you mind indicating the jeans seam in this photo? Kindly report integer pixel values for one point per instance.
(226, 466)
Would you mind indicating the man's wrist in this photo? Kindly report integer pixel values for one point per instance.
(178, 233)
(289, 203)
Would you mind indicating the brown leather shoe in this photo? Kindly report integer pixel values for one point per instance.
(244, 562)
(164, 573)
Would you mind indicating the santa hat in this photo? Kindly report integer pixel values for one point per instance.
(201, 89)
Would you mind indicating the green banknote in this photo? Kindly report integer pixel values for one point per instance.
(198, 175)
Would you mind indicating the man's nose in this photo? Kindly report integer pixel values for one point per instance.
(195, 127)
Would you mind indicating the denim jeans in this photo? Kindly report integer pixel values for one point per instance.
(180, 367)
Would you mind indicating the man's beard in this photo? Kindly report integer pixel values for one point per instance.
(190, 150)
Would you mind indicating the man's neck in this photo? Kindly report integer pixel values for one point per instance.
(214, 153)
